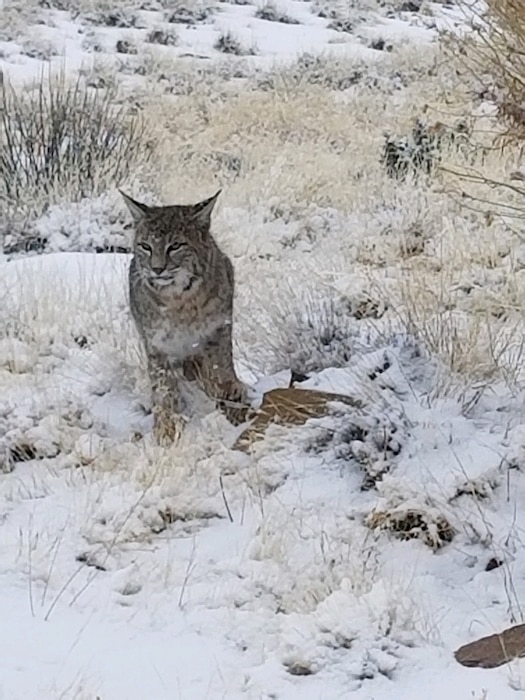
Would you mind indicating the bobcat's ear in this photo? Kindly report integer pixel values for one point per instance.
(202, 210)
(137, 209)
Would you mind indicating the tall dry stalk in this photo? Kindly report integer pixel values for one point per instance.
(494, 55)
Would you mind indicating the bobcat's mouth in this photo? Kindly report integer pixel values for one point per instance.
(185, 284)
(161, 281)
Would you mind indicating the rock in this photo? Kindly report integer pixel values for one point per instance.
(493, 563)
(495, 650)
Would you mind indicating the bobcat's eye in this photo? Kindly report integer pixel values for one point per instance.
(174, 247)
(145, 247)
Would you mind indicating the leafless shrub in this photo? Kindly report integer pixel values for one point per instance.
(229, 44)
(493, 55)
(271, 13)
(187, 12)
(64, 139)
(165, 37)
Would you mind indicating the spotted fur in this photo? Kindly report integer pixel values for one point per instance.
(181, 297)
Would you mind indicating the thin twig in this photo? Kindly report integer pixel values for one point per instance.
(189, 569)
(221, 482)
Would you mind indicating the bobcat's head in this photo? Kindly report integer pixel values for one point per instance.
(172, 244)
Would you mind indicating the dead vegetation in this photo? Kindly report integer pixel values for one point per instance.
(494, 55)
(491, 62)
(288, 407)
(62, 140)
(432, 529)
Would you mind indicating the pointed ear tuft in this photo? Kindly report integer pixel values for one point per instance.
(137, 209)
(202, 210)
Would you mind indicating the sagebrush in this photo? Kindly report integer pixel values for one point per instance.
(65, 141)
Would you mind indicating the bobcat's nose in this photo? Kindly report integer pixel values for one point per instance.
(157, 270)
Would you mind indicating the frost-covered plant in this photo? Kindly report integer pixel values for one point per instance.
(229, 44)
(65, 140)
(187, 12)
(313, 336)
(124, 19)
(333, 9)
(125, 46)
(39, 48)
(420, 151)
(96, 225)
(341, 24)
(393, 71)
(416, 154)
(16, 17)
(310, 69)
(165, 37)
(270, 12)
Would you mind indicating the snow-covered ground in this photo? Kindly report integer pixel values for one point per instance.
(346, 558)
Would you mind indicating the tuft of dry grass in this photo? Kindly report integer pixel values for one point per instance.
(64, 141)
(407, 523)
(289, 407)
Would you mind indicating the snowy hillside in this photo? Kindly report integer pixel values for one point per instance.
(346, 558)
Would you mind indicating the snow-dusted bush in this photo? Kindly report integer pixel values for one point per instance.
(39, 48)
(165, 37)
(228, 43)
(93, 224)
(64, 140)
(189, 12)
(393, 71)
(16, 16)
(495, 58)
(359, 9)
(272, 13)
(417, 153)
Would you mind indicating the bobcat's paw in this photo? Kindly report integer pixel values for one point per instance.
(168, 426)
(234, 402)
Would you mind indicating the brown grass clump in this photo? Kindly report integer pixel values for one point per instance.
(409, 524)
(288, 406)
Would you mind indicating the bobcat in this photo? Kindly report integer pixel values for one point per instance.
(181, 297)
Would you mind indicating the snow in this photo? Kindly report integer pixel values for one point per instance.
(205, 607)
(131, 571)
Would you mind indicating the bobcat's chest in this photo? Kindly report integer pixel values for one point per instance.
(178, 341)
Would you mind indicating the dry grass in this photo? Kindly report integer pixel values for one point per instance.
(407, 524)
(307, 208)
(296, 179)
(494, 55)
(288, 407)
(65, 141)
(303, 181)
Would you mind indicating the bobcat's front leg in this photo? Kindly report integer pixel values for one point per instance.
(168, 422)
(213, 369)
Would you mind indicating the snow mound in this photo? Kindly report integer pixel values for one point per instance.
(274, 562)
